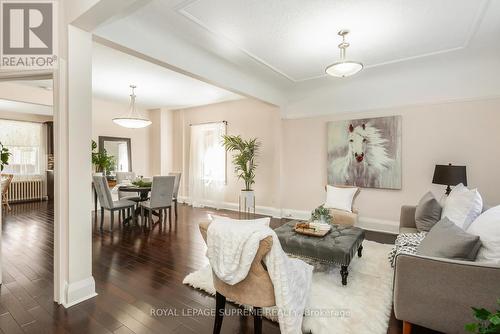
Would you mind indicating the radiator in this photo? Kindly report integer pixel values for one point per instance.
(26, 188)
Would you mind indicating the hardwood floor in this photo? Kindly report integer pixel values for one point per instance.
(136, 273)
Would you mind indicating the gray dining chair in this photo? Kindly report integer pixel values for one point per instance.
(121, 178)
(162, 191)
(107, 203)
(176, 188)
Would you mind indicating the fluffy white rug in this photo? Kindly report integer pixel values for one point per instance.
(363, 306)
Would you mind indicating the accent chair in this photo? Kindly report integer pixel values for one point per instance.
(256, 289)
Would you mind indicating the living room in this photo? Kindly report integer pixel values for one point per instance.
(357, 141)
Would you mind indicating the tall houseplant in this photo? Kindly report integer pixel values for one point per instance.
(245, 154)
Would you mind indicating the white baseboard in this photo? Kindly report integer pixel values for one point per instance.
(366, 223)
(231, 206)
(378, 225)
(79, 291)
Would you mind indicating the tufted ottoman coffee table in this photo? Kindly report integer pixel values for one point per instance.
(337, 247)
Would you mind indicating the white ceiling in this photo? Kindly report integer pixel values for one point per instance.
(298, 38)
(25, 108)
(43, 83)
(113, 71)
(295, 40)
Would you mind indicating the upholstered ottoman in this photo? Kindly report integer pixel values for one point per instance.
(338, 247)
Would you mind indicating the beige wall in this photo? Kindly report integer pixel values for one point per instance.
(461, 133)
(103, 112)
(248, 118)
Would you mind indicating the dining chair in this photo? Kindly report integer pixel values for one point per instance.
(122, 178)
(162, 191)
(107, 203)
(176, 188)
(6, 179)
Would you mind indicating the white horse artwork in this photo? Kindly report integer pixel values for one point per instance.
(365, 153)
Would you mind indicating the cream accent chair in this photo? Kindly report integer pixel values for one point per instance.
(344, 217)
(256, 289)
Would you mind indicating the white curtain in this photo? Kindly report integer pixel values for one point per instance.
(207, 165)
(24, 141)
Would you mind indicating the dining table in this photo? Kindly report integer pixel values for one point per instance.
(142, 191)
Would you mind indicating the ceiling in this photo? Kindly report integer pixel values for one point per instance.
(25, 108)
(295, 40)
(43, 83)
(114, 71)
(304, 32)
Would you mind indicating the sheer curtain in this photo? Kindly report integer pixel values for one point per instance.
(24, 141)
(207, 165)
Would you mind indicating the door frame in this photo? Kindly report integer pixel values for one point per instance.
(60, 238)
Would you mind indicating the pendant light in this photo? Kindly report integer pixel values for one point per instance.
(343, 68)
(134, 119)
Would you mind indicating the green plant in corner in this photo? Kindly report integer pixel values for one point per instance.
(101, 160)
(488, 322)
(244, 157)
(321, 213)
(4, 156)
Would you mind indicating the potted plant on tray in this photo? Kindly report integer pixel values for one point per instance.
(244, 164)
(321, 214)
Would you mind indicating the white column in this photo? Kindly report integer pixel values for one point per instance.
(73, 255)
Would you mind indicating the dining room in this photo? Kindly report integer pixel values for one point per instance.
(135, 138)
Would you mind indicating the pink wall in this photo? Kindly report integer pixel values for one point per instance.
(459, 132)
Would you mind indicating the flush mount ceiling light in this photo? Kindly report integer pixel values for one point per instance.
(343, 68)
(134, 119)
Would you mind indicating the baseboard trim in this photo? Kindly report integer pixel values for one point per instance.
(378, 225)
(231, 206)
(366, 223)
(79, 291)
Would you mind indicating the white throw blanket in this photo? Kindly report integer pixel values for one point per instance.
(231, 249)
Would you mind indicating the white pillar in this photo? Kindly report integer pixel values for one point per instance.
(73, 255)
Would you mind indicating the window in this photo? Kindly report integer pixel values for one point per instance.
(23, 139)
(207, 164)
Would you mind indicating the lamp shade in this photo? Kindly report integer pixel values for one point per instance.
(344, 69)
(450, 175)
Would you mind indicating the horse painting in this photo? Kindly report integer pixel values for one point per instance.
(365, 153)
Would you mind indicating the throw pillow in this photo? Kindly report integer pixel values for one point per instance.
(447, 240)
(428, 212)
(264, 221)
(462, 206)
(487, 227)
(340, 198)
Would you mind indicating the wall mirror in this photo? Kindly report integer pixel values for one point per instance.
(120, 149)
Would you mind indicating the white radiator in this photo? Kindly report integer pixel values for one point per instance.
(26, 188)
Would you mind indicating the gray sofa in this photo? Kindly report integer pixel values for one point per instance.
(438, 293)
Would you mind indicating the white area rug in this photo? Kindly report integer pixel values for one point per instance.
(363, 306)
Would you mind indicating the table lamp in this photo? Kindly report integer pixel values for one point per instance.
(449, 175)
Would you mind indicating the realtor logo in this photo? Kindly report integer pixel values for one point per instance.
(27, 34)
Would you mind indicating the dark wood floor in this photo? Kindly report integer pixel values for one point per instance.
(135, 272)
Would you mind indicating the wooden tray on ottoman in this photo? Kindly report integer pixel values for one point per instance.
(310, 231)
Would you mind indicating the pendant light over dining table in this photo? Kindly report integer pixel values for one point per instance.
(134, 119)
